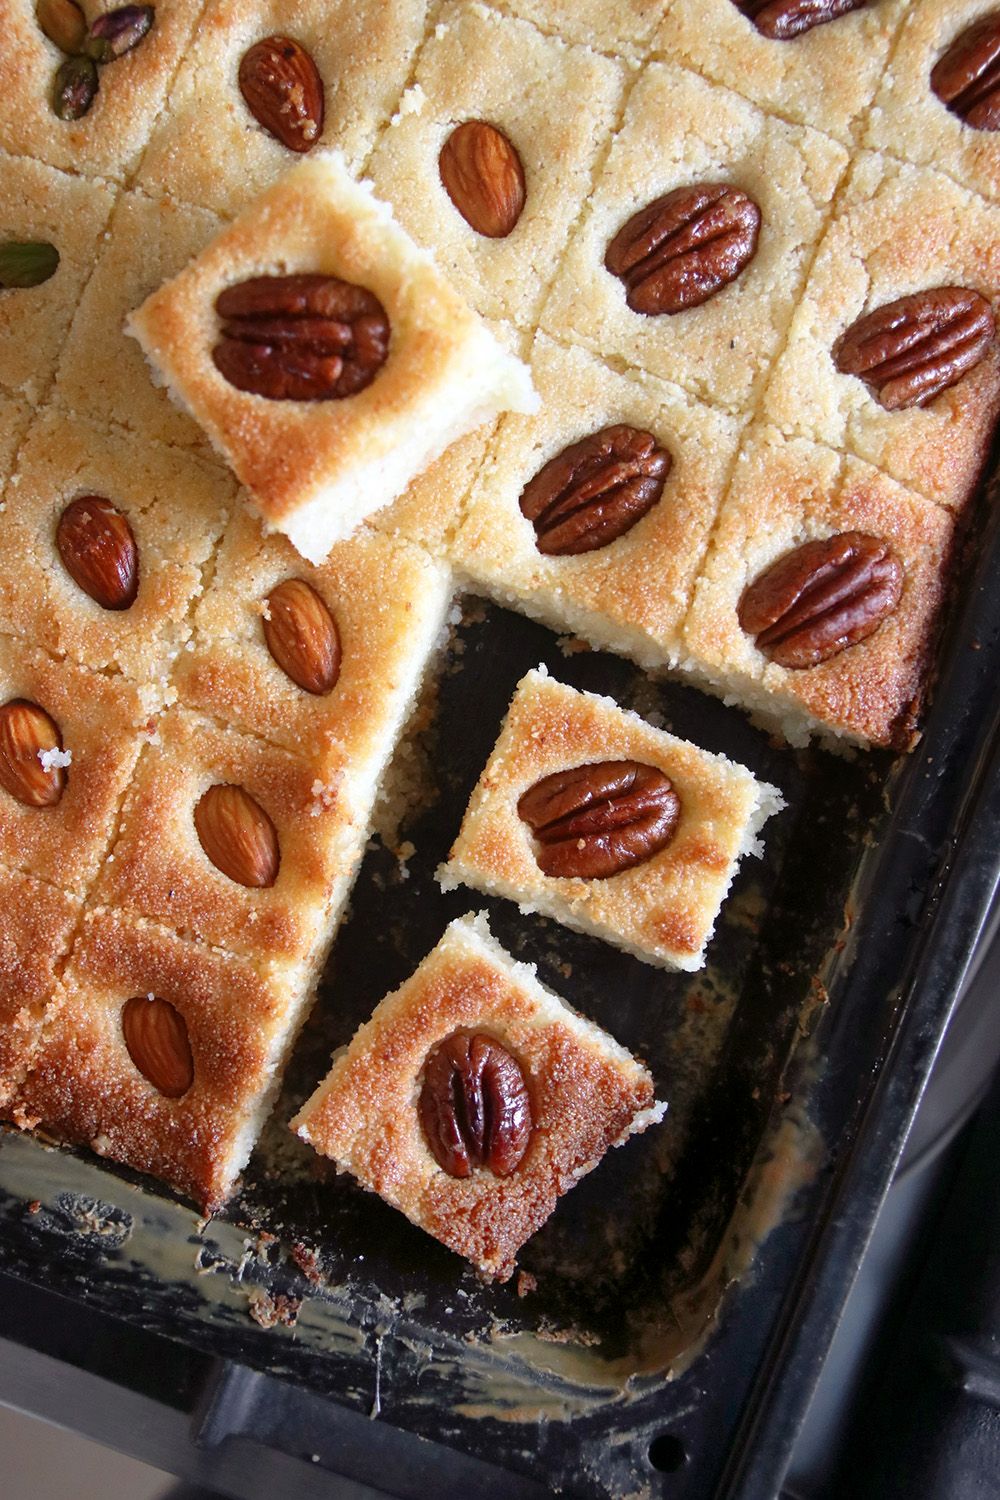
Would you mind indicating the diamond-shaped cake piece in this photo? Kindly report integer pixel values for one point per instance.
(645, 865)
(568, 1093)
(338, 364)
(36, 929)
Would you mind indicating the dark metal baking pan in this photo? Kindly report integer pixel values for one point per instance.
(675, 1310)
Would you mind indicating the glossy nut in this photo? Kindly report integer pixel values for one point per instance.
(283, 91)
(595, 490)
(782, 20)
(238, 836)
(98, 551)
(483, 177)
(596, 820)
(30, 749)
(118, 31)
(967, 77)
(683, 248)
(912, 349)
(302, 637)
(25, 263)
(156, 1037)
(63, 22)
(75, 88)
(474, 1107)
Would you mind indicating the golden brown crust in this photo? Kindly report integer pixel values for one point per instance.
(36, 927)
(585, 1094)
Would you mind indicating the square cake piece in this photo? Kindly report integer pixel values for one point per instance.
(484, 163)
(891, 568)
(909, 119)
(161, 1054)
(617, 26)
(350, 639)
(208, 147)
(36, 929)
(102, 374)
(353, 427)
(69, 739)
(625, 465)
(107, 139)
(51, 212)
(588, 814)
(232, 842)
(104, 539)
(698, 152)
(471, 1018)
(822, 77)
(899, 232)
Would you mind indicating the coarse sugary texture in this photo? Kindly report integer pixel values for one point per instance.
(36, 929)
(618, 26)
(104, 723)
(101, 373)
(908, 119)
(479, 65)
(587, 1094)
(824, 77)
(315, 469)
(679, 131)
(663, 910)
(208, 148)
(789, 491)
(388, 601)
(630, 596)
(84, 1087)
(897, 230)
(15, 415)
(107, 140)
(41, 205)
(176, 508)
(159, 868)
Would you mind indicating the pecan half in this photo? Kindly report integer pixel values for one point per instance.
(912, 349)
(156, 1037)
(596, 820)
(783, 19)
(283, 91)
(595, 491)
(300, 338)
(474, 1108)
(482, 175)
(30, 754)
(98, 551)
(821, 598)
(684, 247)
(967, 77)
(238, 836)
(302, 636)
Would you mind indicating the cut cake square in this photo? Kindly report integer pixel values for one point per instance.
(630, 595)
(586, 1094)
(315, 468)
(617, 26)
(36, 930)
(680, 131)
(208, 148)
(786, 492)
(479, 66)
(898, 230)
(302, 836)
(175, 508)
(662, 909)
(237, 1021)
(39, 205)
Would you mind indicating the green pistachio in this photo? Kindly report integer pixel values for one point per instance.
(76, 88)
(118, 31)
(26, 262)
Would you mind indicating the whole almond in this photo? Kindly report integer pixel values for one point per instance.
(483, 177)
(98, 550)
(26, 734)
(238, 836)
(63, 22)
(156, 1036)
(283, 91)
(302, 637)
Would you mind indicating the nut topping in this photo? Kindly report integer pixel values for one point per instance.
(117, 31)
(684, 247)
(26, 263)
(595, 491)
(967, 77)
(302, 637)
(283, 91)
(596, 820)
(482, 175)
(912, 349)
(475, 1109)
(300, 338)
(156, 1036)
(63, 22)
(238, 836)
(821, 598)
(783, 19)
(30, 754)
(98, 550)
(75, 87)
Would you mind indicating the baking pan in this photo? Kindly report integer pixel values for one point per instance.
(669, 1322)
